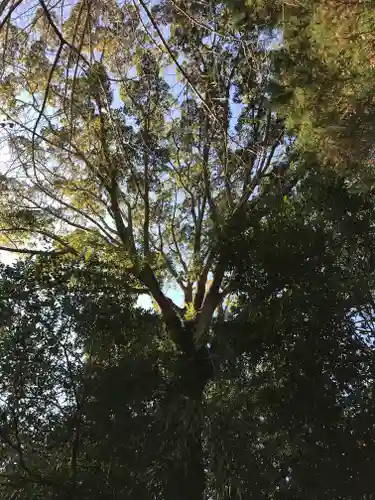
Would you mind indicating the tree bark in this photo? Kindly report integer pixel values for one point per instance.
(186, 476)
(186, 479)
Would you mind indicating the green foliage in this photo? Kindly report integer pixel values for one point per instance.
(223, 149)
(74, 351)
(149, 129)
(325, 67)
(286, 405)
(293, 403)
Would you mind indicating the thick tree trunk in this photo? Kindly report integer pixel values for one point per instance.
(186, 476)
(186, 479)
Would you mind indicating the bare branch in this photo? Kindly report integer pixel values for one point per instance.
(174, 59)
(146, 196)
(206, 175)
(46, 92)
(202, 281)
(59, 35)
(48, 234)
(211, 302)
(36, 252)
(8, 16)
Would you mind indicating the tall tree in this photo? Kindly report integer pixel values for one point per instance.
(158, 174)
(116, 160)
(110, 154)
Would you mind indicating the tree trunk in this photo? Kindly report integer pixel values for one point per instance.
(186, 475)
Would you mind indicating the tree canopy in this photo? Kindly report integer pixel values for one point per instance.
(139, 131)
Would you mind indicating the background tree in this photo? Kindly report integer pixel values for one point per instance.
(298, 402)
(324, 76)
(82, 380)
(107, 153)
